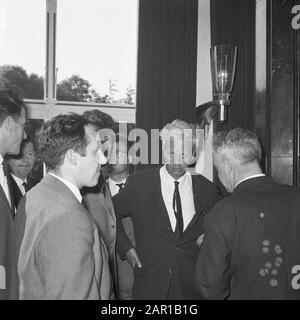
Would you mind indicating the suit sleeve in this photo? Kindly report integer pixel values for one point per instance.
(213, 263)
(123, 208)
(66, 258)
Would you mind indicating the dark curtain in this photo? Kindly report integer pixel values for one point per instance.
(233, 22)
(167, 62)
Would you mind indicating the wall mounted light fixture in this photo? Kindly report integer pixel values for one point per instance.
(223, 63)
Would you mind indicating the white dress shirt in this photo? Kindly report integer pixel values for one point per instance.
(186, 195)
(112, 184)
(70, 185)
(3, 181)
(19, 183)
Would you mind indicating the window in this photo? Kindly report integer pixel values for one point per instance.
(22, 54)
(96, 50)
(89, 49)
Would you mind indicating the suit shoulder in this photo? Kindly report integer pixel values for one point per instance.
(143, 175)
(53, 205)
(202, 179)
(207, 184)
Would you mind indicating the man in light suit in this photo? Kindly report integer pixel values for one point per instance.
(167, 206)
(12, 121)
(61, 255)
(97, 200)
(250, 248)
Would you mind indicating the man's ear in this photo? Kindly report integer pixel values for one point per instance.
(227, 165)
(72, 157)
(9, 124)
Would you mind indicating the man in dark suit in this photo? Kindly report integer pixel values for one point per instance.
(12, 121)
(167, 206)
(250, 248)
(20, 167)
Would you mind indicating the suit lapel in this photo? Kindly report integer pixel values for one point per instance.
(4, 199)
(15, 192)
(109, 203)
(197, 204)
(161, 215)
(10, 189)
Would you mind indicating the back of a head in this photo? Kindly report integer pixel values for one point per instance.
(11, 105)
(240, 145)
(60, 134)
(99, 119)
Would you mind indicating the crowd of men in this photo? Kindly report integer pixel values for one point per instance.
(93, 229)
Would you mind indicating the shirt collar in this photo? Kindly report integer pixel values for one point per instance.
(18, 180)
(250, 177)
(70, 185)
(116, 182)
(1, 159)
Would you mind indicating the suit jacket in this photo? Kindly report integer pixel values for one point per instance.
(8, 269)
(61, 255)
(101, 208)
(16, 192)
(167, 262)
(251, 244)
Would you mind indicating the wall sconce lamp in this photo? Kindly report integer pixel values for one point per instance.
(223, 63)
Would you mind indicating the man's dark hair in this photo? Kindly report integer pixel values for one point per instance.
(11, 105)
(60, 134)
(100, 120)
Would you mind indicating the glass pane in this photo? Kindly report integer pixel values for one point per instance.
(22, 54)
(282, 91)
(97, 50)
(261, 78)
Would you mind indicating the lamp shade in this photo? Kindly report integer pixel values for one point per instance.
(223, 61)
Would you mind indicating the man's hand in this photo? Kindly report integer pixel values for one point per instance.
(133, 258)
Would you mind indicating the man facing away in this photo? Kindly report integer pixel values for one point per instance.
(12, 122)
(167, 206)
(61, 254)
(250, 248)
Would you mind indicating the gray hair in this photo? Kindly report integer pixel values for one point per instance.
(240, 144)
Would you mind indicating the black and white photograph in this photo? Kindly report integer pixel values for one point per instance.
(149, 151)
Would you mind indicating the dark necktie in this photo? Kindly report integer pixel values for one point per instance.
(25, 185)
(120, 185)
(177, 210)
